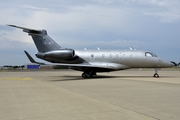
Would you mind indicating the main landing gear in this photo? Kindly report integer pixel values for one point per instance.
(156, 73)
(88, 74)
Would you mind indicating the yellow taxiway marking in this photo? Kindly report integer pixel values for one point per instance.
(16, 79)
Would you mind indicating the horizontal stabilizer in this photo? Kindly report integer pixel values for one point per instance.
(31, 59)
(28, 30)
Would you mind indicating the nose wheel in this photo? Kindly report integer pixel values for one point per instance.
(156, 75)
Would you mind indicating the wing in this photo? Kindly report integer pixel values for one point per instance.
(92, 65)
(113, 66)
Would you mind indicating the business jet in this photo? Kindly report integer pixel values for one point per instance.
(91, 61)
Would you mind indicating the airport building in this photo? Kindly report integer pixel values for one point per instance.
(37, 66)
(46, 67)
(31, 66)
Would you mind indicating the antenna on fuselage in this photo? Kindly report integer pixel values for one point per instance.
(98, 48)
(85, 49)
(130, 48)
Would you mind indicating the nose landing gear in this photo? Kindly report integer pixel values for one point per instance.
(156, 75)
(156, 72)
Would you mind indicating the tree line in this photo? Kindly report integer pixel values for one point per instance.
(12, 67)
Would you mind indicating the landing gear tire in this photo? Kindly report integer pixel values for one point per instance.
(156, 75)
(88, 75)
(92, 74)
(84, 75)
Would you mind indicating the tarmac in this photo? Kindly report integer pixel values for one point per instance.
(65, 95)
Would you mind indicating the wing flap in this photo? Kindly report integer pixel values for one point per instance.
(113, 66)
(82, 65)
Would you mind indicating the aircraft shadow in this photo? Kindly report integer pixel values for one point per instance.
(71, 78)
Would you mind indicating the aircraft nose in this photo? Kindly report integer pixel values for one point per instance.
(173, 65)
(166, 63)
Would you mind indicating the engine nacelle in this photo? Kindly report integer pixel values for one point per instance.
(40, 55)
(64, 54)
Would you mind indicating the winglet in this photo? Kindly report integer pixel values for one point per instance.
(31, 59)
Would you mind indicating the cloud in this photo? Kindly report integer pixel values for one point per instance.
(140, 24)
(166, 16)
(115, 44)
(34, 7)
(105, 1)
(82, 23)
(15, 46)
(87, 20)
(12, 52)
(15, 35)
(163, 10)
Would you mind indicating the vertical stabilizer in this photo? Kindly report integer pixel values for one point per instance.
(44, 43)
(41, 39)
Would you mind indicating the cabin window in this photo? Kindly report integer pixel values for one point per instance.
(103, 55)
(131, 55)
(110, 55)
(117, 56)
(92, 57)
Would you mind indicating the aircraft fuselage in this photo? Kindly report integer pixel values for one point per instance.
(124, 58)
(91, 61)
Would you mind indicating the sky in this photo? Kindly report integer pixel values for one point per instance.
(152, 25)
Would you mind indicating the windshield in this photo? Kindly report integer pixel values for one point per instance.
(154, 55)
(149, 54)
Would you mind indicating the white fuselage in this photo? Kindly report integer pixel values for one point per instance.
(129, 58)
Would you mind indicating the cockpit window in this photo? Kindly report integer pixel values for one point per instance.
(149, 54)
(154, 55)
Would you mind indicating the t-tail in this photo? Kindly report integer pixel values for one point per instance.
(48, 49)
(41, 39)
